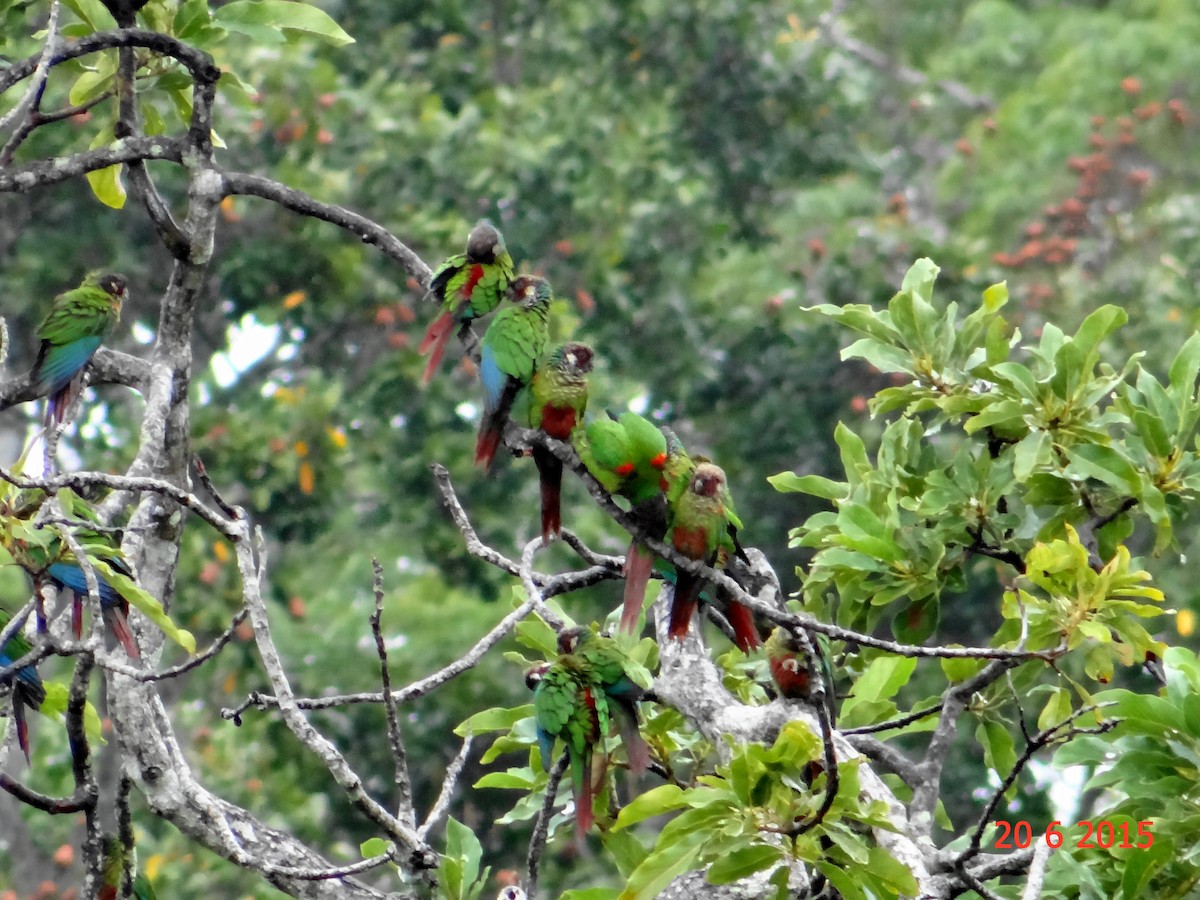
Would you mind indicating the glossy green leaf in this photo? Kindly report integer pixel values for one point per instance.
(268, 19)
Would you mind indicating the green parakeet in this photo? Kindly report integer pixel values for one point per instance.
(77, 324)
(704, 525)
(570, 707)
(627, 457)
(27, 689)
(790, 670)
(470, 285)
(606, 664)
(512, 347)
(557, 400)
(114, 870)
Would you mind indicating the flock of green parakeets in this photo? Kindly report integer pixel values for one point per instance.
(672, 497)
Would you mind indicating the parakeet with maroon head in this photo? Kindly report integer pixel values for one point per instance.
(78, 323)
(558, 397)
(470, 285)
(27, 688)
(570, 707)
(607, 665)
(704, 525)
(511, 348)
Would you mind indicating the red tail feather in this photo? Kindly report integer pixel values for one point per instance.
(22, 726)
(742, 620)
(687, 596)
(435, 340)
(486, 444)
(114, 618)
(550, 470)
(585, 795)
(638, 563)
(77, 616)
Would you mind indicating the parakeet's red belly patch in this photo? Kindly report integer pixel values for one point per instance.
(473, 277)
(691, 542)
(558, 422)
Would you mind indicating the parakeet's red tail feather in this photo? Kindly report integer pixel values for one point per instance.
(550, 470)
(487, 443)
(585, 795)
(742, 620)
(434, 342)
(687, 596)
(22, 726)
(638, 563)
(77, 616)
(114, 618)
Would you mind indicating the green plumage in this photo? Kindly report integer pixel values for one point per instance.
(569, 707)
(704, 527)
(511, 349)
(78, 323)
(113, 872)
(470, 285)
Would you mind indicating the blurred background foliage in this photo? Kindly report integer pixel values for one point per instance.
(688, 176)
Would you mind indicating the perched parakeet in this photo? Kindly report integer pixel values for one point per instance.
(113, 871)
(71, 333)
(512, 347)
(703, 525)
(570, 707)
(470, 285)
(27, 689)
(67, 574)
(606, 664)
(790, 669)
(627, 457)
(557, 400)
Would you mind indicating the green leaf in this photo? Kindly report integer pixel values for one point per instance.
(662, 867)
(462, 843)
(884, 677)
(1057, 709)
(790, 482)
(139, 597)
(853, 451)
(267, 19)
(655, 802)
(90, 84)
(55, 705)
(1097, 326)
(889, 869)
(998, 751)
(743, 862)
(106, 183)
(375, 846)
(1106, 464)
(93, 13)
(995, 296)
(513, 778)
(1031, 451)
(920, 278)
(591, 894)
(498, 718)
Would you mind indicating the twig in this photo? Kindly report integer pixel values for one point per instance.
(33, 93)
(449, 784)
(1037, 871)
(541, 828)
(892, 724)
(77, 480)
(404, 796)
(81, 769)
(367, 231)
(422, 858)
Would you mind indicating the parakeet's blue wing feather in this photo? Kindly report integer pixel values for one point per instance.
(71, 577)
(494, 380)
(57, 365)
(28, 676)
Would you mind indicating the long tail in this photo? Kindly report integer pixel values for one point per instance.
(491, 426)
(639, 561)
(637, 751)
(585, 795)
(549, 469)
(114, 618)
(742, 619)
(683, 606)
(435, 340)
(18, 707)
